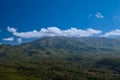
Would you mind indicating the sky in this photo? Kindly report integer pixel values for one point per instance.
(27, 20)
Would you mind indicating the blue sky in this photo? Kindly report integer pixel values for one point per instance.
(27, 20)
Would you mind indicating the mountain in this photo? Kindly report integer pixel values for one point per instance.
(61, 45)
(66, 45)
(67, 42)
(62, 58)
(73, 44)
(101, 42)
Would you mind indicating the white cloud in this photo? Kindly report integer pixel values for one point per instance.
(19, 40)
(54, 31)
(10, 29)
(115, 32)
(99, 15)
(9, 39)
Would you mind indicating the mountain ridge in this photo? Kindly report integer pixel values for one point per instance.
(63, 45)
(56, 41)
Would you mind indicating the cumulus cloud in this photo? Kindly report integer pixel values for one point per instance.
(9, 39)
(54, 31)
(10, 29)
(99, 15)
(19, 40)
(115, 32)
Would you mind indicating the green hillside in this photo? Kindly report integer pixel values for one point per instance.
(61, 58)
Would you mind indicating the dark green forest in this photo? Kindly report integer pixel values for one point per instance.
(61, 58)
